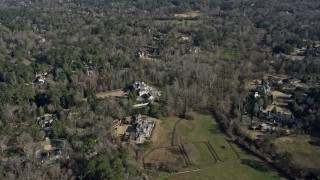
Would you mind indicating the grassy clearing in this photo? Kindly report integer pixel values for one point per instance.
(301, 148)
(165, 158)
(224, 150)
(230, 53)
(226, 171)
(204, 128)
(164, 133)
(199, 154)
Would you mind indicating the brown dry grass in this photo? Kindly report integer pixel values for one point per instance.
(116, 93)
(166, 155)
(301, 85)
(253, 84)
(280, 109)
(252, 134)
(121, 129)
(299, 146)
(156, 131)
(278, 93)
(47, 147)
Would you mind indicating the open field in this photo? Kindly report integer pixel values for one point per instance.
(163, 132)
(202, 128)
(192, 136)
(226, 171)
(165, 158)
(301, 148)
(224, 150)
(199, 154)
(116, 93)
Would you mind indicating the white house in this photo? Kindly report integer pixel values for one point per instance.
(145, 92)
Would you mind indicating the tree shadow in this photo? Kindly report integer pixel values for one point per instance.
(315, 140)
(174, 150)
(215, 130)
(257, 165)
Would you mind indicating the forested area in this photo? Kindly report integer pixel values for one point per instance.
(236, 41)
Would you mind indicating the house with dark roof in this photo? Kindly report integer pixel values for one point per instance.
(45, 120)
(145, 92)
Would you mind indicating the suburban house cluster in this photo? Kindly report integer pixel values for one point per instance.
(299, 54)
(271, 102)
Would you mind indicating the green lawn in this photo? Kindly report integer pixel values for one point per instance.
(226, 171)
(230, 53)
(192, 134)
(202, 128)
(199, 154)
(223, 150)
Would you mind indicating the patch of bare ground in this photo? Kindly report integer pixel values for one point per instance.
(285, 140)
(253, 84)
(121, 130)
(252, 134)
(169, 156)
(115, 93)
(280, 109)
(157, 129)
(279, 94)
(190, 14)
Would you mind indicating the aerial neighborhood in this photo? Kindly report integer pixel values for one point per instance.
(280, 103)
(160, 89)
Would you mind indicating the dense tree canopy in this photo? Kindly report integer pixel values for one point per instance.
(85, 47)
